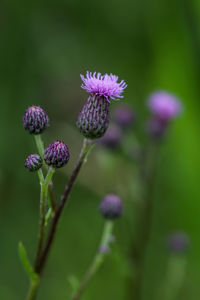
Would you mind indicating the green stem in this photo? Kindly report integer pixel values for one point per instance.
(39, 144)
(174, 278)
(33, 290)
(40, 147)
(43, 197)
(41, 258)
(41, 176)
(58, 211)
(144, 222)
(97, 261)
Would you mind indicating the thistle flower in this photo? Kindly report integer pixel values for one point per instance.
(33, 162)
(178, 242)
(103, 85)
(111, 207)
(112, 137)
(35, 120)
(56, 154)
(164, 106)
(93, 119)
(124, 116)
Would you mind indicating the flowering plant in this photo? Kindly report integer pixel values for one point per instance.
(93, 123)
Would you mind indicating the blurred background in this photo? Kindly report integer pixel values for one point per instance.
(45, 45)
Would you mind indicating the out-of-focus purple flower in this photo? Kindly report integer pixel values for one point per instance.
(156, 128)
(35, 120)
(33, 162)
(104, 249)
(111, 207)
(56, 154)
(112, 137)
(103, 85)
(178, 242)
(164, 106)
(124, 116)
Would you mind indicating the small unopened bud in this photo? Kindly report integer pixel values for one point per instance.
(33, 162)
(35, 120)
(178, 242)
(56, 154)
(111, 207)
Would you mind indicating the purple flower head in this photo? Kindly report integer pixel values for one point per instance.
(111, 207)
(35, 120)
(112, 137)
(56, 154)
(124, 116)
(33, 162)
(164, 106)
(178, 242)
(103, 85)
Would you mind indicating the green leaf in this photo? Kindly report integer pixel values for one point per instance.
(48, 215)
(88, 153)
(26, 263)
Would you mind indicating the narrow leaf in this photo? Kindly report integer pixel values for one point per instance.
(26, 263)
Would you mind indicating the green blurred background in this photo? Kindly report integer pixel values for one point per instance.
(45, 45)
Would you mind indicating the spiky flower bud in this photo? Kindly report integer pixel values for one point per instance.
(56, 154)
(93, 119)
(111, 207)
(33, 162)
(35, 120)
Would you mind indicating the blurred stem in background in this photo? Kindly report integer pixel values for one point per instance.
(144, 221)
(174, 277)
(97, 261)
(41, 259)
